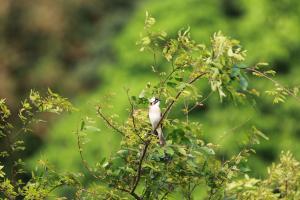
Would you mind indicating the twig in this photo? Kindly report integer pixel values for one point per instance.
(200, 103)
(234, 128)
(274, 81)
(167, 78)
(186, 108)
(169, 75)
(108, 122)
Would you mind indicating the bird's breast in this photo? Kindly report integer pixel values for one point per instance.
(154, 114)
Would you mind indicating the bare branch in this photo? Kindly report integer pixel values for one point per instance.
(234, 128)
(200, 103)
(108, 122)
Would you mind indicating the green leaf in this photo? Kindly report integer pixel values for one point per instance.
(171, 84)
(82, 125)
(161, 153)
(235, 72)
(243, 83)
(181, 86)
(92, 128)
(182, 151)
(170, 151)
(207, 151)
(142, 94)
(178, 79)
(259, 133)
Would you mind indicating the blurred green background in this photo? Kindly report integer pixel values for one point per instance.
(86, 49)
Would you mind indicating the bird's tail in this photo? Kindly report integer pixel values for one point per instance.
(161, 138)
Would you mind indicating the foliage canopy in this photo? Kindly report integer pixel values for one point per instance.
(143, 169)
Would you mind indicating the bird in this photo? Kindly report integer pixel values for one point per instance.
(155, 117)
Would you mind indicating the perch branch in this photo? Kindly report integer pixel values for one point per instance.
(176, 98)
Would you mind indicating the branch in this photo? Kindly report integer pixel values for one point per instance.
(167, 78)
(200, 103)
(234, 128)
(176, 98)
(139, 170)
(108, 122)
(274, 81)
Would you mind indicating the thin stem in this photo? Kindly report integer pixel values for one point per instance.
(186, 109)
(200, 103)
(274, 81)
(108, 122)
(234, 128)
(174, 69)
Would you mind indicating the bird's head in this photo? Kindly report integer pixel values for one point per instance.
(154, 101)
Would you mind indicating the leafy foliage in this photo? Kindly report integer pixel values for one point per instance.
(268, 37)
(282, 182)
(143, 169)
(44, 179)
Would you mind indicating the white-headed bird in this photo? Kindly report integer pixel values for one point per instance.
(155, 116)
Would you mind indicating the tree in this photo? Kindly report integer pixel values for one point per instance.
(143, 169)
